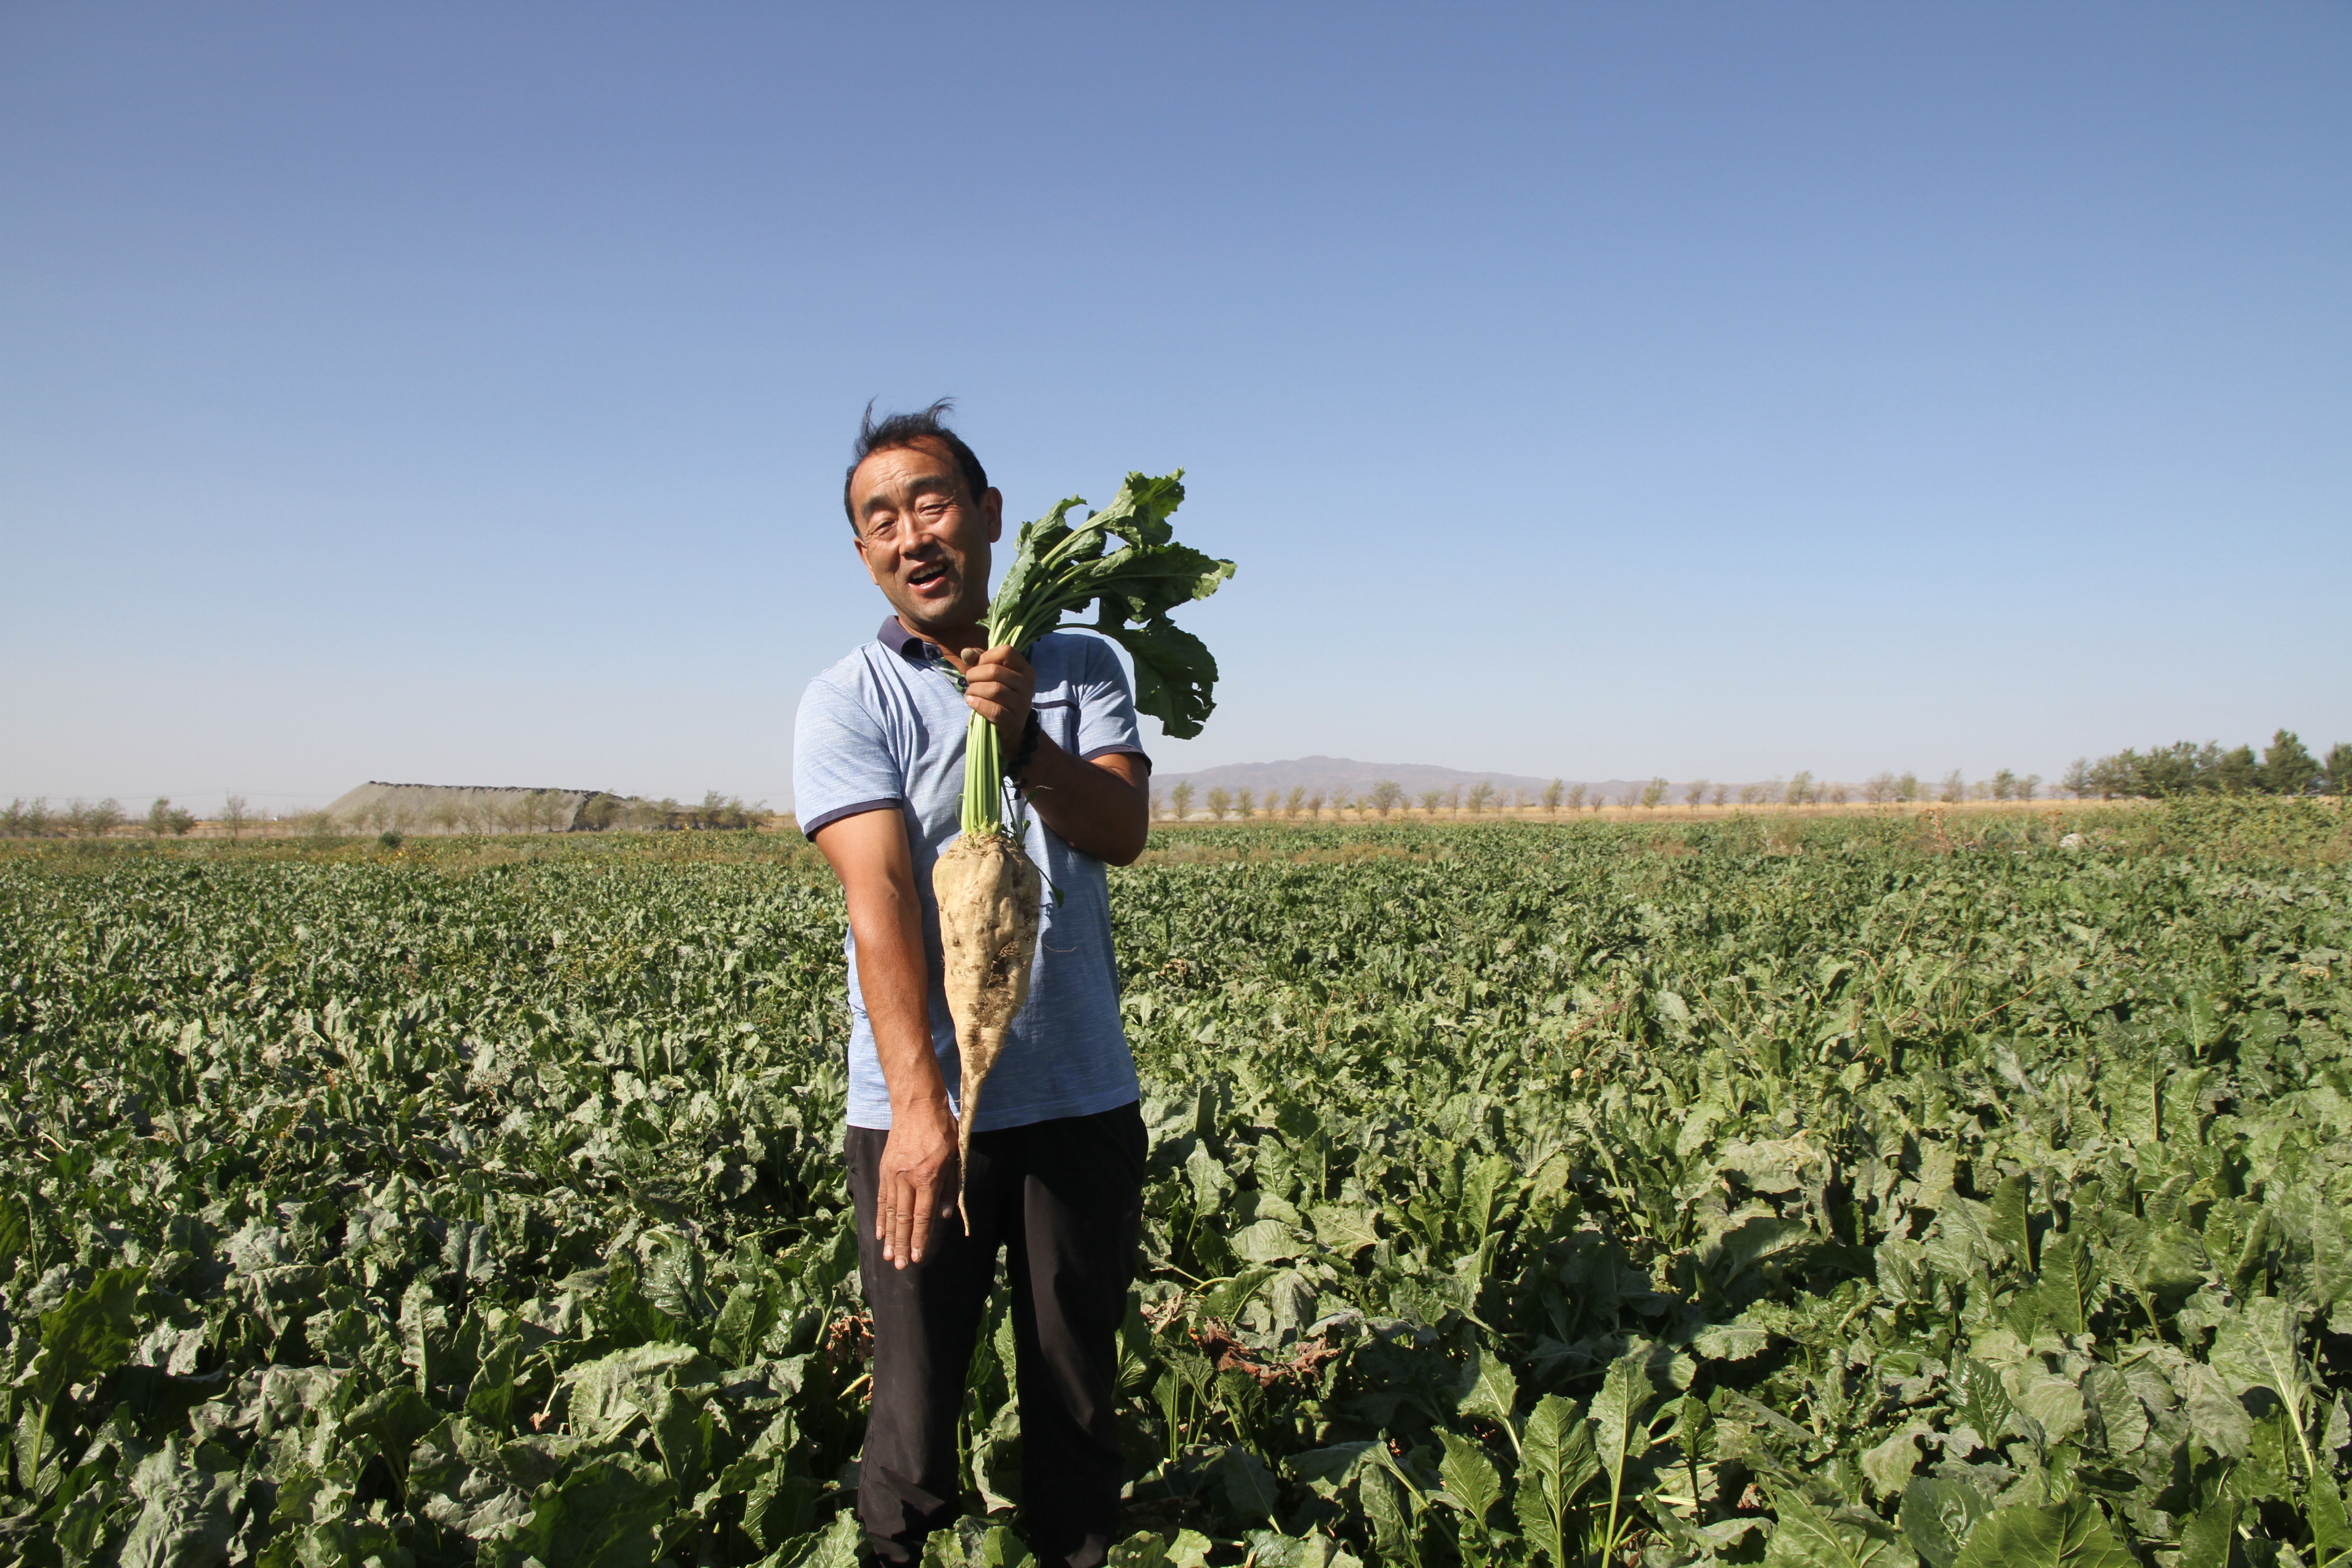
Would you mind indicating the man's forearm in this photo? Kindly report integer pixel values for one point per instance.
(1100, 807)
(870, 854)
(893, 978)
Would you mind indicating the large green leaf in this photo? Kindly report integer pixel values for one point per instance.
(86, 1334)
(1265, 1241)
(1334, 1464)
(1728, 1257)
(2209, 1539)
(2053, 1403)
(1620, 1415)
(2132, 1103)
(2181, 1091)
(2214, 1413)
(606, 1513)
(840, 1544)
(1556, 1463)
(1962, 1243)
(1936, 1516)
(1139, 513)
(1249, 1487)
(2331, 1263)
(2331, 1530)
(1731, 1341)
(1489, 1390)
(744, 1320)
(388, 1422)
(2011, 1222)
(184, 1519)
(1144, 1549)
(16, 1232)
(2259, 1348)
(1146, 581)
(2069, 1285)
(2122, 1418)
(2168, 1258)
(974, 1543)
(1343, 1228)
(1980, 1400)
(997, 1451)
(1888, 1464)
(1809, 1537)
(2071, 1534)
(490, 1398)
(1470, 1479)
(1391, 1506)
(1491, 1190)
(1175, 675)
(628, 1384)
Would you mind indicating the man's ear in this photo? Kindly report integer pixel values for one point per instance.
(991, 507)
(857, 543)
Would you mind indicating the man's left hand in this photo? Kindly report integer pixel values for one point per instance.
(998, 684)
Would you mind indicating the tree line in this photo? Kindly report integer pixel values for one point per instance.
(548, 811)
(2285, 767)
(1379, 800)
(1181, 800)
(522, 811)
(35, 818)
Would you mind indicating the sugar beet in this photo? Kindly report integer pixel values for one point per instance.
(988, 891)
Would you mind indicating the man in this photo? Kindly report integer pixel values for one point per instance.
(1057, 1167)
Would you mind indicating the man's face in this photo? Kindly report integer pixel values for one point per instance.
(924, 540)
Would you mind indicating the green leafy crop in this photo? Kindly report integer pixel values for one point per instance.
(1517, 1196)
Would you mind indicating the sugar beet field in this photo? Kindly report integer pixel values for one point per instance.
(1810, 1193)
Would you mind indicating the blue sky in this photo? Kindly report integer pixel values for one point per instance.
(460, 393)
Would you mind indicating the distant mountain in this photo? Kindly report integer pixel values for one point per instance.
(1338, 775)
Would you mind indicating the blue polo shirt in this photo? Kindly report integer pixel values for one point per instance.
(883, 731)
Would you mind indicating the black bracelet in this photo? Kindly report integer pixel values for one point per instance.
(1030, 733)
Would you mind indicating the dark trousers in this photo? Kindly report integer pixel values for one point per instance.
(1065, 1200)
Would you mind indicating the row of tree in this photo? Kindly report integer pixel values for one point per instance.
(523, 811)
(550, 811)
(605, 813)
(1387, 796)
(1382, 798)
(2285, 767)
(35, 818)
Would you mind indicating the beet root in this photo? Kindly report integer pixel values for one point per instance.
(987, 891)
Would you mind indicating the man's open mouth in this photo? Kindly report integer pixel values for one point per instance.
(925, 576)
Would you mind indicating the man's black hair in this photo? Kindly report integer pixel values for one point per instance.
(897, 430)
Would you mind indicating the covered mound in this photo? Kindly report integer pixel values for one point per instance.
(474, 808)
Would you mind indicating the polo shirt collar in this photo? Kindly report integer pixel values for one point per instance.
(906, 644)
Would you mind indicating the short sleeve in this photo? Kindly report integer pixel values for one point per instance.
(841, 765)
(1106, 722)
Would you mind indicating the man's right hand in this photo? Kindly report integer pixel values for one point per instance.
(918, 1179)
